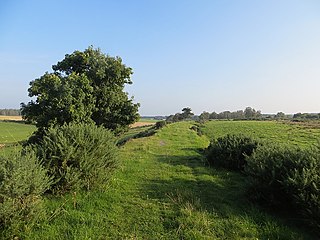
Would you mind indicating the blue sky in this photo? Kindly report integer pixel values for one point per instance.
(212, 55)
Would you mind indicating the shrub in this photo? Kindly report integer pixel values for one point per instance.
(230, 151)
(22, 182)
(287, 177)
(78, 156)
(160, 124)
(197, 129)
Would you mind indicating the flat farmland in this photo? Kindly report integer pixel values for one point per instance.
(278, 132)
(11, 118)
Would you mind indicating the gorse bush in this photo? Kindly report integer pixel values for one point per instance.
(287, 177)
(78, 156)
(230, 151)
(160, 124)
(197, 129)
(22, 182)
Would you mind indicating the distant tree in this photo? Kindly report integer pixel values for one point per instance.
(237, 115)
(85, 86)
(249, 113)
(297, 115)
(225, 115)
(258, 114)
(204, 116)
(187, 113)
(10, 112)
(213, 115)
(280, 115)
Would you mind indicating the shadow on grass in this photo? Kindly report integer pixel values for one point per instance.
(218, 192)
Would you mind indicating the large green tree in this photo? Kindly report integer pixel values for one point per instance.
(86, 86)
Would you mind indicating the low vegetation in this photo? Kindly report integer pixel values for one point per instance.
(287, 178)
(280, 176)
(78, 156)
(22, 183)
(230, 151)
(163, 189)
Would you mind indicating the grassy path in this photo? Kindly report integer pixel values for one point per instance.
(163, 191)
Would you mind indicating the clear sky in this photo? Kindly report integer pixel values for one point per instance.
(211, 55)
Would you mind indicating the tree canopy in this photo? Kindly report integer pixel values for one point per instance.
(86, 86)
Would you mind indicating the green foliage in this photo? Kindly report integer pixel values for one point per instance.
(197, 129)
(78, 156)
(187, 113)
(160, 124)
(287, 177)
(230, 151)
(22, 182)
(86, 87)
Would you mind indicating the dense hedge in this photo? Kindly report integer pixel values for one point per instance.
(22, 182)
(78, 156)
(230, 151)
(287, 177)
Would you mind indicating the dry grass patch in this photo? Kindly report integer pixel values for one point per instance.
(141, 124)
(11, 118)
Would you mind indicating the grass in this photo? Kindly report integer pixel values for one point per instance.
(164, 190)
(13, 132)
(278, 132)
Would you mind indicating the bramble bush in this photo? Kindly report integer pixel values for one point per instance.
(230, 151)
(22, 182)
(287, 177)
(78, 156)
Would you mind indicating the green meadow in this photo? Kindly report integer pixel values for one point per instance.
(278, 132)
(13, 132)
(164, 189)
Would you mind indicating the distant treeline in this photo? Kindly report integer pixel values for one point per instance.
(251, 113)
(10, 112)
(248, 113)
(306, 116)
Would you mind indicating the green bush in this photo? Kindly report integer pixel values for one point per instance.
(160, 124)
(78, 156)
(22, 182)
(197, 129)
(229, 151)
(287, 177)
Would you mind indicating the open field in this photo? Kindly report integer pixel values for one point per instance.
(142, 123)
(11, 132)
(164, 190)
(11, 118)
(279, 132)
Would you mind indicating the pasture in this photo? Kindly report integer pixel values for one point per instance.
(164, 190)
(13, 132)
(279, 132)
